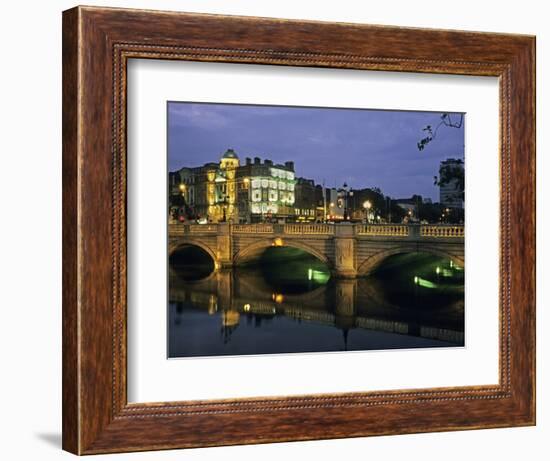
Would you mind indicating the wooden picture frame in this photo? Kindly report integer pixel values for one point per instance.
(97, 43)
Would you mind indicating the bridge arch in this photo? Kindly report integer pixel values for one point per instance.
(254, 250)
(373, 261)
(175, 246)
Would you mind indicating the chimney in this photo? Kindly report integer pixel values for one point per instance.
(248, 160)
(268, 162)
(257, 160)
(290, 165)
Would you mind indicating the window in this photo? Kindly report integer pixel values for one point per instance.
(256, 196)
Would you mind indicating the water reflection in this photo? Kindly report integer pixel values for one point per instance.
(289, 303)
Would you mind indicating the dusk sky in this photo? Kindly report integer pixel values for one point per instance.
(364, 148)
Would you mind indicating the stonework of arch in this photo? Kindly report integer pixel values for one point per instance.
(254, 250)
(173, 247)
(371, 263)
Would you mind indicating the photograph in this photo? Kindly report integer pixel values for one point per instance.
(313, 229)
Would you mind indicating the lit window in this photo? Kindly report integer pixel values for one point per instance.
(256, 184)
(290, 186)
(256, 195)
(289, 175)
(273, 184)
(265, 183)
(273, 196)
(282, 185)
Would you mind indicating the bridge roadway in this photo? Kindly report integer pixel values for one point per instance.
(349, 250)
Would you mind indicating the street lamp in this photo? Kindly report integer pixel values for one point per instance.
(367, 205)
(224, 207)
(347, 194)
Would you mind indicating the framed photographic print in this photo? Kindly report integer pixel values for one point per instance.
(285, 230)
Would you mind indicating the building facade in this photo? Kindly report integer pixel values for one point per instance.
(228, 191)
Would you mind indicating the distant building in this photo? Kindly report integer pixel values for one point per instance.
(334, 204)
(451, 192)
(410, 205)
(305, 206)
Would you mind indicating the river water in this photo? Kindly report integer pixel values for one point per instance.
(287, 302)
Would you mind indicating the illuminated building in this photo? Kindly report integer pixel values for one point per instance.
(267, 191)
(228, 191)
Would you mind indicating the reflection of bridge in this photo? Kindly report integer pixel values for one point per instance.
(348, 250)
(354, 303)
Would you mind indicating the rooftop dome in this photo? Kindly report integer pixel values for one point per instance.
(230, 153)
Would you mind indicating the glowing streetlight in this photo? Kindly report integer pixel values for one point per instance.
(277, 242)
(367, 205)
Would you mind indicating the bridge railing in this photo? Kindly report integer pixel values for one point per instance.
(200, 228)
(176, 229)
(410, 231)
(388, 230)
(309, 229)
(442, 231)
(252, 228)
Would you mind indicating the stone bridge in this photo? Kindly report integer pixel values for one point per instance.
(349, 250)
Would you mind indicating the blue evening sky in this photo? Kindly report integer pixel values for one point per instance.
(364, 148)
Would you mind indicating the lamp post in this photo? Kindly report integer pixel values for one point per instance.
(224, 207)
(183, 209)
(367, 205)
(347, 193)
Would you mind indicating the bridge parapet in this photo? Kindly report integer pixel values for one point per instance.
(412, 231)
(252, 228)
(442, 231)
(386, 230)
(309, 229)
(201, 228)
